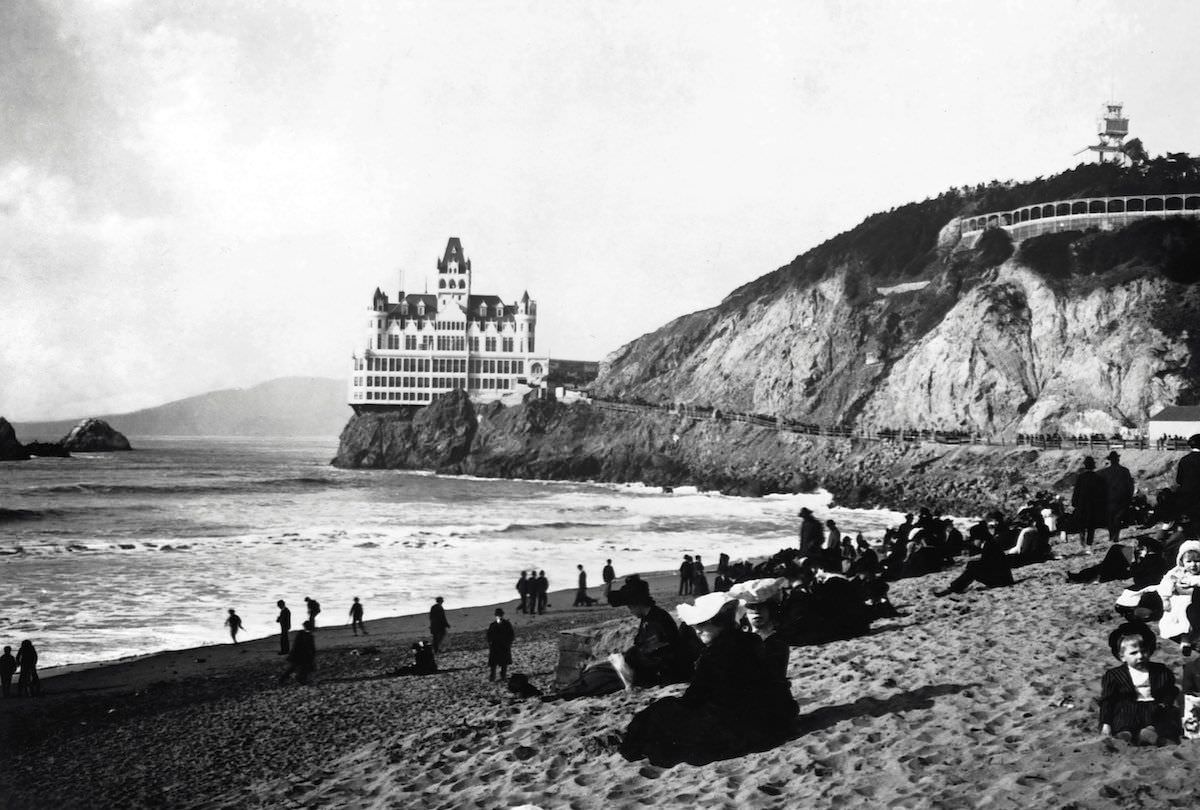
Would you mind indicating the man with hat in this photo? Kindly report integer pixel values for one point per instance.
(1118, 494)
(1187, 477)
(812, 533)
(1087, 501)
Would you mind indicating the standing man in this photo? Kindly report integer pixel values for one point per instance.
(543, 592)
(608, 574)
(1187, 477)
(1087, 503)
(438, 624)
(523, 591)
(356, 622)
(314, 607)
(302, 660)
(812, 534)
(8, 665)
(285, 626)
(1118, 494)
(500, 636)
(686, 569)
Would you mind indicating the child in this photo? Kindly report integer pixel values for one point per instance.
(1137, 699)
(234, 623)
(1176, 589)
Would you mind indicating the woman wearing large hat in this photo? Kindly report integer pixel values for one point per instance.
(733, 706)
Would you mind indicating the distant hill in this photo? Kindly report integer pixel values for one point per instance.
(289, 406)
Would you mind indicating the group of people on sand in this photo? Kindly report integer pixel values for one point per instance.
(24, 666)
(533, 590)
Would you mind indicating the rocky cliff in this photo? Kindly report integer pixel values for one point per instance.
(542, 439)
(94, 436)
(901, 323)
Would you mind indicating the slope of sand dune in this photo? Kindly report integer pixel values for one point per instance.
(981, 700)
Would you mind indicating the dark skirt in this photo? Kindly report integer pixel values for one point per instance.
(669, 731)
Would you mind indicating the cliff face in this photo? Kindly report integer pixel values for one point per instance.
(548, 440)
(964, 344)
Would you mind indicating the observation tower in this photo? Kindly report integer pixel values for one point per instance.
(1114, 126)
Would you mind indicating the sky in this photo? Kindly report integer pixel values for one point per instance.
(204, 194)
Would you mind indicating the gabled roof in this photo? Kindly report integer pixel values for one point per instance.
(1178, 413)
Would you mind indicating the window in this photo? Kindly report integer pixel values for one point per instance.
(531, 344)
(489, 344)
(474, 344)
(508, 345)
(410, 342)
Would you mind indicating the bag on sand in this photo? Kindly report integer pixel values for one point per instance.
(1191, 717)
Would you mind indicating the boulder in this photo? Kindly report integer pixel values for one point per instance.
(94, 435)
(10, 448)
(50, 449)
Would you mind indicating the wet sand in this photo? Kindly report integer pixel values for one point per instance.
(982, 700)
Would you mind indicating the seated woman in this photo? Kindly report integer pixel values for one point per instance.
(1179, 589)
(734, 705)
(658, 655)
(823, 606)
(763, 603)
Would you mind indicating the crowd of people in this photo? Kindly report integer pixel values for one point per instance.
(731, 642)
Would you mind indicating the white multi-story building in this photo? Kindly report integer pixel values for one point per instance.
(425, 344)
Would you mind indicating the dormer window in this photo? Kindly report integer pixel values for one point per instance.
(404, 308)
(483, 310)
(420, 307)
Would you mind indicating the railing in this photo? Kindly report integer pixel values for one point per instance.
(891, 434)
(1063, 215)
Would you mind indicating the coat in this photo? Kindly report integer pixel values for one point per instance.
(656, 656)
(1119, 487)
(1117, 692)
(500, 637)
(1088, 499)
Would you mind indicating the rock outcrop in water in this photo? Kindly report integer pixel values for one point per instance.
(94, 436)
(547, 440)
(10, 448)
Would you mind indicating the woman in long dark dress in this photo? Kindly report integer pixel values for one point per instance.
(735, 703)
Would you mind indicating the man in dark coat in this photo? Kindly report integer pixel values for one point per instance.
(542, 592)
(1118, 494)
(285, 626)
(523, 590)
(1087, 500)
(608, 574)
(500, 637)
(438, 624)
(302, 660)
(356, 620)
(812, 534)
(1187, 478)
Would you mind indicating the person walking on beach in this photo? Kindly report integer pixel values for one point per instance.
(699, 578)
(523, 591)
(302, 660)
(1087, 501)
(234, 623)
(356, 622)
(28, 683)
(542, 592)
(608, 575)
(8, 665)
(1118, 494)
(581, 596)
(438, 624)
(314, 607)
(500, 636)
(285, 626)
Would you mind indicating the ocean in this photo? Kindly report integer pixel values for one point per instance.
(108, 555)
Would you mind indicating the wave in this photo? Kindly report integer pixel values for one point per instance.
(229, 485)
(558, 524)
(22, 514)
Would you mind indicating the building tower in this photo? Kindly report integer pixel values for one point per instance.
(453, 278)
(1113, 126)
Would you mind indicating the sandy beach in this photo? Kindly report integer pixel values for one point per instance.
(982, 700)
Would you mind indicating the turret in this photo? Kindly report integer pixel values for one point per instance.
(453, 276)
